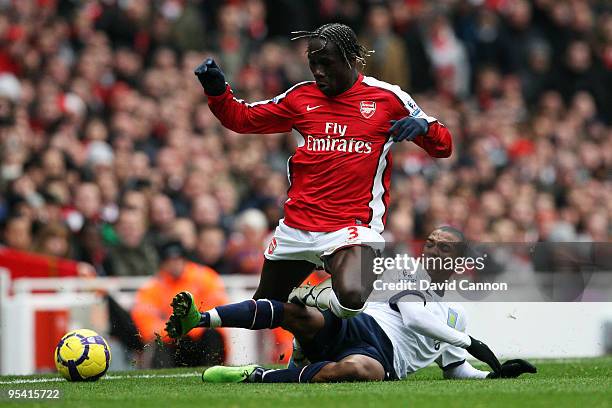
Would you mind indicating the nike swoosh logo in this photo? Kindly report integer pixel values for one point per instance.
(309, 108)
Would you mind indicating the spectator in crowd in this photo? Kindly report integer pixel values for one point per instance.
(152, 309)
(205, 211)
(53, 239)
(87, 206)
(185, 231)
(135, 199)
(449, 58)
(162, 216)
(18, 233)
(210, 249)
(246, 244)
(89, 247)
(132, 255)
(389, 63)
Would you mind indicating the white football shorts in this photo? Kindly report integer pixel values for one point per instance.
(293, 244)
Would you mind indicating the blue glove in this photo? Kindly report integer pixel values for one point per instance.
(211, 77)
(408, 128)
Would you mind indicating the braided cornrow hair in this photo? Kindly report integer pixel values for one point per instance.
(343, 36)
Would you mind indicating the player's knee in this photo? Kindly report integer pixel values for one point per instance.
(297, 317)
(303, 322)
(340, 372)
(350, 298)
(347, 304)
(355, 371)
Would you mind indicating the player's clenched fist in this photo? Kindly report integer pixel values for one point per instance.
(211, 77)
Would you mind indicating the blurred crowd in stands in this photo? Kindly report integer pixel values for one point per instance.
(108, 148)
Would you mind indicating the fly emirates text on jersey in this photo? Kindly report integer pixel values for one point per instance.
(335, 141)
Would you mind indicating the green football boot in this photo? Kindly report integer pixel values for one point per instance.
(225, 374)
(185, 315)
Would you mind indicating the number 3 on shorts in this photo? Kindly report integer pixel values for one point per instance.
(353, 233)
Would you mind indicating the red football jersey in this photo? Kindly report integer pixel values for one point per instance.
(340, 173)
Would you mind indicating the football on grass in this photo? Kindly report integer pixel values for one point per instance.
(82, 355)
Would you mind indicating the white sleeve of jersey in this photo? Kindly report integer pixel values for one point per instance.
(452, 355)
(409, 104)
(420, 320)
(413, 109)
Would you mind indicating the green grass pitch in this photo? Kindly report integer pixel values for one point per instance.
(559, 383)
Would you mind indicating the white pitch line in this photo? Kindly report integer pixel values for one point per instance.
(107, 377)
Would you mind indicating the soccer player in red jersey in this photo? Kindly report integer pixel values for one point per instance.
(340, 173)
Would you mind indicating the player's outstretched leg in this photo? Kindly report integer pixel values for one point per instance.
(250, 314)
(257, 374)
(355, 367)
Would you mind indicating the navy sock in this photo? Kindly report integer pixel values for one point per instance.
(292, 375)
(250, 314)
(204, 320)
